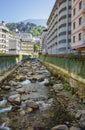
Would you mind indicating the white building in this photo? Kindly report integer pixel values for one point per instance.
(44, 42)
(59, 28)
(4, 38)
(14, 46)
(23, 36)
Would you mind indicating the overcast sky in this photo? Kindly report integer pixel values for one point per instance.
(19, 10)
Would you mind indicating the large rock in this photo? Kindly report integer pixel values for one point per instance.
(23, 90)
(38, 77)
(39, 128)
(58, 87)
(14, 99)
(60, 127)
(6, 87)
(20, 78)
(74, 128)
(32, 104)
(27, 110)
(20, 90)
(80, 115)
(24, 97)
(12, 83)
(82, 120)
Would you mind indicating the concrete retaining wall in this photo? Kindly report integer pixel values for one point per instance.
(77, 82)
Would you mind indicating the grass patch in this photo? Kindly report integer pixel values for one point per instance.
(66, 86)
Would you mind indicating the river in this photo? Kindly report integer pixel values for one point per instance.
(29, 102)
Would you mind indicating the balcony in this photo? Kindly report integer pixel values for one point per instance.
(62, 45)
(63, 29)
(63, 21)
(1, 43)
(3, 49)
(2, 33)
(63, 5)
(62, 37)
(63, 13)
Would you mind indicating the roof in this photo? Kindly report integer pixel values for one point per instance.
(52, 12)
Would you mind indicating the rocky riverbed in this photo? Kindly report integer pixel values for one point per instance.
(32, 99)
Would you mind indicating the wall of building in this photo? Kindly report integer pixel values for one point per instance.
(4, 37)
(27, 48)
(78, 25)
(59, 28)
(14, 46)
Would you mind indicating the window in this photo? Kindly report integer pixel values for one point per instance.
(73, 39)
(74, 25)
(79, 36)
(74, 11)
(80, 5)
(80, 20)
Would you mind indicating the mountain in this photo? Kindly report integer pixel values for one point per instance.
(22, 27)
(38, 22)
(25, 27)
(34, 26)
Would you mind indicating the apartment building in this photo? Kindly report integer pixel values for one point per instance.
(14, 45)
(26, 43)
(44, 42)
(27, 48)
(4, 38)
(59, 28)
(78, 25)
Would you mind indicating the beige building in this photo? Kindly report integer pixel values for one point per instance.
(78, 25)
(59, 28)
(4, 38)
(26, 43)
(27, 48)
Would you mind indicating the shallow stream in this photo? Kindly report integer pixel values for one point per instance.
(50, 111)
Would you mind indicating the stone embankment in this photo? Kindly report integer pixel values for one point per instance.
(32, 99)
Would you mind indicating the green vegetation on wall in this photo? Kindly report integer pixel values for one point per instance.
(72, 65)
(6, 62)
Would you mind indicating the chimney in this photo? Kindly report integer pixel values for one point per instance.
(3, 22)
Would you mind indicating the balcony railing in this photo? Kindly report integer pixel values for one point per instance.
(63, 13)
(63, 21)
(62, 6)
(63, 45)
(62, 37)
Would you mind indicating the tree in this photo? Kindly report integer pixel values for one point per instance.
(37, 31)
(36, 48)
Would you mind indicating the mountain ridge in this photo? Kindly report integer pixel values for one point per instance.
(38, 22)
